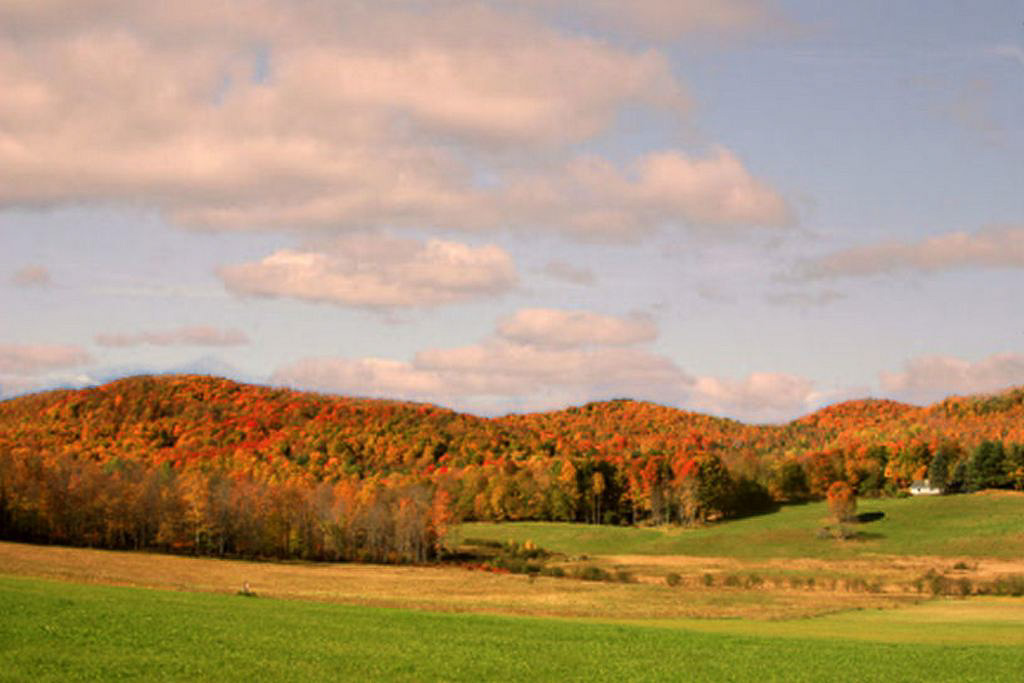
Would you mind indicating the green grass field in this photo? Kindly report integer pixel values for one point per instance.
(75, 628)
(65, 631)
(986, 525)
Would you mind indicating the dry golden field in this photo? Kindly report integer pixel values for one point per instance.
(444, 588)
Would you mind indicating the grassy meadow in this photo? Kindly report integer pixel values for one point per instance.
(983, 525)
(820, 609)
(66, 631)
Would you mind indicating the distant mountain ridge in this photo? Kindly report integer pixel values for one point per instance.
(175, 461)
(155, 398)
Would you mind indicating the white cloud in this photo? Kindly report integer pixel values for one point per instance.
(199, 335)
(378, 272)
(592, 198)
(761, 396)
(931, 378)
(507, 368)
(502, 374)
(471, 376)
(32, 276)
(1012, 52)
(528, 365)
(350, 116)
(1000, 247)
(18, 359)
(554, 328)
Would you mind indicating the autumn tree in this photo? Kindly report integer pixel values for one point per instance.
(706, 488)
(598, 486)
(842, 503)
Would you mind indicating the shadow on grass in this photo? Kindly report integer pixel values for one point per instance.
(759, 512)
(865, 517)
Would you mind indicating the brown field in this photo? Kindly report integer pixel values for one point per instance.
(887, 574)
(454, 588)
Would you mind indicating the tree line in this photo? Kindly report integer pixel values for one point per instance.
(205, 465)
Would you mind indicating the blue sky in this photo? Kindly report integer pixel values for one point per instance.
(746, 208)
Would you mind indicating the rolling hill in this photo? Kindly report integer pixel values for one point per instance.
(210, 465)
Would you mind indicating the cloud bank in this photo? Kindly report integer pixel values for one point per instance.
(373, 271)
(199, 335)
(553, 328)
(24, 367)
(18, 359)
(997, 247)
(930, 378)
(356, 116)
(541, 359)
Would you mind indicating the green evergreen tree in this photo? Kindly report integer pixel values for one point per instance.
(987, 468)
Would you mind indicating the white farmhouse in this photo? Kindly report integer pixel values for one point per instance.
(923, 487)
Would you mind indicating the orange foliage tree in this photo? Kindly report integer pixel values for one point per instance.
(842, 503)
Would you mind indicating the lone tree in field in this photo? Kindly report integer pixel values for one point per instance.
(842, 503)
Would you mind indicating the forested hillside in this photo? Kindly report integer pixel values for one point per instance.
(207, 465)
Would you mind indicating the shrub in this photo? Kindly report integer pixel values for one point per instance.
(842, 503)
(1009, 585)
(591, 573)
(673, 579)
(937, 583)
(856, 584)
(708, 579)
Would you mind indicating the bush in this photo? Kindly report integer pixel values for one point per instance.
(856, 584)
(937, 583)
(591, 573)
(753, 581)
(673, 579)
(1009, 585)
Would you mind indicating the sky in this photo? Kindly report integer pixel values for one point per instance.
(747, 208)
